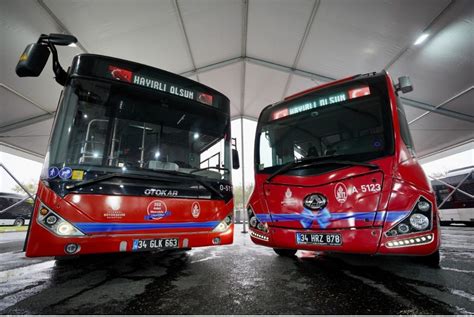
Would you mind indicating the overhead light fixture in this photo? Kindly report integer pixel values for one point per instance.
(421, 38)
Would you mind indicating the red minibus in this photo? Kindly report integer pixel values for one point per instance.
(336, 171)
(138, 159)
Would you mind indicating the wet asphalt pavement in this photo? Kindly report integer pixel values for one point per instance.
(239, 279)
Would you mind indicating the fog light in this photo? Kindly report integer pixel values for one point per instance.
(71, 248)
(423, 205)
(419, 221)
(216, 240)
(51, 220)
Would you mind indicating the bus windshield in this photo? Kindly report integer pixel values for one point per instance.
(349, 121)
(110, 127)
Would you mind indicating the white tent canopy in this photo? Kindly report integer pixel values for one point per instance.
(254, 51)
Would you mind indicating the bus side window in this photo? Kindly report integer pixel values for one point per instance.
(404, 129)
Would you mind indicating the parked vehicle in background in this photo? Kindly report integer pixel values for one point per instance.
(18, 215)
(336, 171)
(455, 196)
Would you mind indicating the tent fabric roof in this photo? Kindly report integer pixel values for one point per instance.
(254, 51)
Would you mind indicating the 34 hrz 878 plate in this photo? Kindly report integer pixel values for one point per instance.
(319, 238)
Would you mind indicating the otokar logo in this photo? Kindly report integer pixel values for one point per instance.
(161, 192)
(315, 201)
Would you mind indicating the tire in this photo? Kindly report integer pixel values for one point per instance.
(19, 222)
(431, 260)
(289, 253)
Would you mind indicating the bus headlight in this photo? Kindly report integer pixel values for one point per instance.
(419, 221)
(224, 225)
(253, 221)
(51, 220)
(423, 205)
(56, 224)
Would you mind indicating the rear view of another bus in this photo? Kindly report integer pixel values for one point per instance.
(455, 196)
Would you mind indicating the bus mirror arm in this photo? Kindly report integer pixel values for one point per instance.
(35, 56)
(235, 159)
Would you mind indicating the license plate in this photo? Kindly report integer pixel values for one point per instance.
(319, 238)
(154, 244)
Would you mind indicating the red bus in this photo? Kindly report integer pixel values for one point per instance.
(138, 159)
(336, 171)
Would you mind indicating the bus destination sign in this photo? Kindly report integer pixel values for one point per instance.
(320, 102)
(130, 77)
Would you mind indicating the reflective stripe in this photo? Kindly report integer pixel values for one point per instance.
(93, 227)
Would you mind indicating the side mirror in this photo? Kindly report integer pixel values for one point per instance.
(235, 159)
(33, 60)
(62, 39)
(404, 84)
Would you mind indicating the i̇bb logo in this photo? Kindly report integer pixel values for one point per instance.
(120, 74)
(157, 210)
(340, 193)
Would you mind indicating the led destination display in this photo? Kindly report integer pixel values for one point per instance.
(320, 102)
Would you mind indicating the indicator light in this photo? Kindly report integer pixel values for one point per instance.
(43, 211)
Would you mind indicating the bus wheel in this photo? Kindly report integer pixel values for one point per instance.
(285, 252)
(19, 222)
(431, 260)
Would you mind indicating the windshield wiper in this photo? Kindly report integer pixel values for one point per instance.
(142, 177)
(317, 160)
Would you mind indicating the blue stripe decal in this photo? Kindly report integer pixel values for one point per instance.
(307, 217)
(396, 216)
(92, 227)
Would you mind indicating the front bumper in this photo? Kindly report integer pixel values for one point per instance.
(43, 243)
(354, 240)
